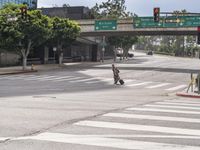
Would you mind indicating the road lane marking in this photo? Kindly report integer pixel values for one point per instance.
(183, 101)
(4, 139)
(35, 77)
(46, 78)
(170, 106)
(83, 80)
(138, 84)
(179, 104)
(13, 77)
(137, 127)
(176, 87)
(158, 85)
(63, 77)
(151, 117)
(68, 79)
(164, 110)
(107, 142)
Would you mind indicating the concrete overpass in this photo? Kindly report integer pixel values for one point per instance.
(125, 27)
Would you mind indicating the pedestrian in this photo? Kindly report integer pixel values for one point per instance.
(115, 74)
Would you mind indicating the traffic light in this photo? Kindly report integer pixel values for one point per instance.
(23, 12)
(156, 14)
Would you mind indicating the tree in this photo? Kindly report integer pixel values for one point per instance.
(111, 9)
(64, 32)
(26, 31)
(115, 9)
(125, 42)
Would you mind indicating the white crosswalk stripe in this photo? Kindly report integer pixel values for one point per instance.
(129, 83)
(83, 80)
(165, 110)
(152, 117)
(138, 84)
(136, 127)
(170, 106)
(177, 87)
(158, 85)
(180, 104)
(183, 101)
(166, 135)
(107, 142)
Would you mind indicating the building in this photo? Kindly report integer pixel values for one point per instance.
(75, 13)
(30, 3)
(84, 49)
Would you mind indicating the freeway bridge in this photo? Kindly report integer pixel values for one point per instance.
(125, 27)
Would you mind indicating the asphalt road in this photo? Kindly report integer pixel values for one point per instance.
(80, 108)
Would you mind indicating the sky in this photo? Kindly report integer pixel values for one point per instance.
(139, 7)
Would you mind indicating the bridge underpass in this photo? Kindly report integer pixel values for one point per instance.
(125, 27)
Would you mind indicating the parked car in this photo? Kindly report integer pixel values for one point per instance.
(130, 54)
(150, 53)
(119, 52)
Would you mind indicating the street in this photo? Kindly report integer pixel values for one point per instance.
(79, 107)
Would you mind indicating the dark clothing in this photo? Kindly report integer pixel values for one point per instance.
(115, 74)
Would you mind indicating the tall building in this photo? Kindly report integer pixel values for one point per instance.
(74, 13)
(30, 3)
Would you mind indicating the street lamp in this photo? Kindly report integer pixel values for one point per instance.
(54, 50)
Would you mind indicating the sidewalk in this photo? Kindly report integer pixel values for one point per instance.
(18, 69)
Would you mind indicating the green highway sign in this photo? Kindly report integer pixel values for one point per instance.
(167, 22)
(105, 25)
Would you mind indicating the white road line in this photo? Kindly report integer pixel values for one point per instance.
(137, 127)
(164, 110)
(83, 80)
(138, 84)
(35, 77)
(96, 81)
(107, 142)
(4, 139)
(170, 106)
(180, 104)
(68, 79)
(12, 77)
(39, 78)
(65, 77)
(151, 117)
(176, 87)
(183, 101)
(158, 85)
(129, 81)
(47, 78)
(116, 136)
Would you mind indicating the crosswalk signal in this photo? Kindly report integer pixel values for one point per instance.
(156, 14)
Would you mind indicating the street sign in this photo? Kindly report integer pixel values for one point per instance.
(167, 22)
(105, 25)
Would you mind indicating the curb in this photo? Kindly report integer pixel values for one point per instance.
(187, 95)
(18, 72)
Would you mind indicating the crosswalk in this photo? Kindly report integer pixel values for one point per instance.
(129, 83)
(162, 125)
